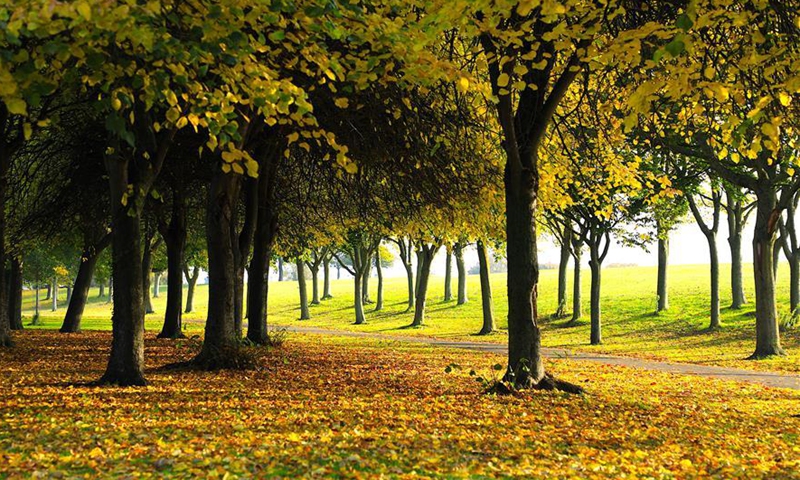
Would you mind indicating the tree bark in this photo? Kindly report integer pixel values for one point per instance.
(157, 284)
(242, 247)
(126, 362)
(379, 270)
(54, 295)
(448, 268)
(147, 265)
(5, 166)
(280, 269)
(326, 278)
(425, 256)
(83, 282)
(15, 295)
(458, 252)
(486, 291)
(663, 256)
(264, 236)
(563, 265)
(102, 289)
(301, 283)
(365, 281)
(577, 307)
(314, 284)
(49, 292)
(768, 341)
(735, 226)
(595, 264)
(406, 247)
(220, 333)
(192, 283)
(358, 299)
(175, 240)
(710, 233)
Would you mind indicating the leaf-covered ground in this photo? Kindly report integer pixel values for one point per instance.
(323, 407)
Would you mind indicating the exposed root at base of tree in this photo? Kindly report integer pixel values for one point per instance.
(486, 332)
(6, 342)
(179, 336)
(764, 356)
(128, 379)
(548, 383)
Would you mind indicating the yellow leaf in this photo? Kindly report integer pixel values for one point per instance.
(341, 102)
(17, 106)
(784, 98)
(97, 452)
(84, 10)
(502, 80)
(463, 84)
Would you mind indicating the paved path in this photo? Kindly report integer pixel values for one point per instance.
(764, 378)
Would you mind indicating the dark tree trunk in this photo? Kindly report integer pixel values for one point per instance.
(69, 292)
(54, 295)
(49, 292)
(280, 269)
(736, 223)
(365, 281)
(425, 256)
(15, 295)
(379, 270)
(768, 341)
(102, 289)
(83, 282)
(524, 337)
(5, 166)
(326, 278)
(710, 233)
(595, 265)
(220, 333)
(175, 240)
(714, 259)
(577, 307)
(314, 284)
(663, 256)
(301, 283)
(563, 266)
(458, 252)
(126, 362)
(110, 289)
(448, 268)
(238, 299)
(147, 265)
(411, 283)
(419, 254)
(406, 247)
(486, 291)
(191, 280)
(358, 299)
(242, 247)
(263, 237)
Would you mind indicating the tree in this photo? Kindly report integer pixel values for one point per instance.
(486, 291)
(710, 232)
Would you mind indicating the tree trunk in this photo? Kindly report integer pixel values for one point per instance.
(735, 226)
(69, 292)
(301, 283)
(191, 280)
(365, 281)
(419, 255)
(486, 291)
(147, 266)
(15, 295)
(5, 166)
(768, 341)
(563, 265)
(714, 259)
(238, 298)
(458, 252)
(263, 237)
(175, 240)
(36, 305)
(326, 278)
(794, 284)
(596, 336)
(110, 289)
(525, 367)
(448, 268)
(358, 298)
(49, 292)
(663, 256)
(314, 284)
(425, 257)
(577, 307)
(54, 295)
(83, 282)
(411, 284)
(126, 362)
(101, 289)
(379, 270)
(280, 269)
(220, 333)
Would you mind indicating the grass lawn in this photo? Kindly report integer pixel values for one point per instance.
(629, 324)
(345, 408)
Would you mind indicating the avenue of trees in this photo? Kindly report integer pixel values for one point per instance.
(151, 140)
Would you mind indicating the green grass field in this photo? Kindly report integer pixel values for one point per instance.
(629, 325)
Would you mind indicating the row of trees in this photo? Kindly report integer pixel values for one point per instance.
(312, 128)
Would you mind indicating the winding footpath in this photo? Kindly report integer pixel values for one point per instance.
(769, 379)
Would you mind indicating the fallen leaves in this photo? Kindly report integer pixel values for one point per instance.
(360, 409)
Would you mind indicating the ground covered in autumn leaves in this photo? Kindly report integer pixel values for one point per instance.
(355, 408)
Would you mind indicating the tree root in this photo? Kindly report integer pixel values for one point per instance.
(548, 383)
